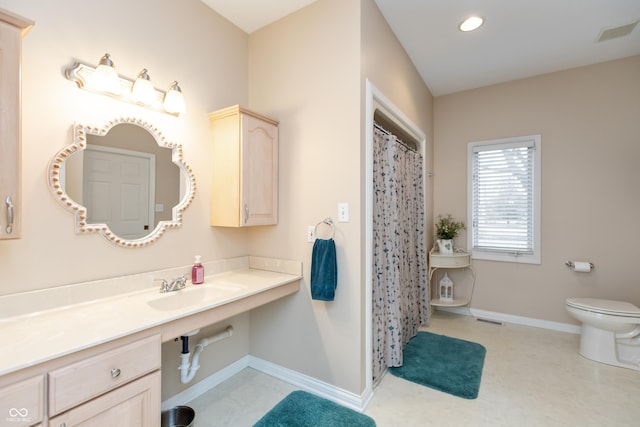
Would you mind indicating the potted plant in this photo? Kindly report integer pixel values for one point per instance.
(447, 228)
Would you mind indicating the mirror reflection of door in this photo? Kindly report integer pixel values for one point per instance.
(136, 206)
(119, 190)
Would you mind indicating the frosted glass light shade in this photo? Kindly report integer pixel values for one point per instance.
(143, 91)
(105, 78)
(173, 100)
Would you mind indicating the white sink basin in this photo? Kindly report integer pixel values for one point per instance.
(192, 295)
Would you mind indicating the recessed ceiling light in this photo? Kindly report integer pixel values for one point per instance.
(471, 23)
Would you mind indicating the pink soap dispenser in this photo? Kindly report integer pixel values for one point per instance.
(197, 272)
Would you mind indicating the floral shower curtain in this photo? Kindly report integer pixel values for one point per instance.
(399, 288)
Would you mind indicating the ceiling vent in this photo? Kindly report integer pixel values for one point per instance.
(615, 32)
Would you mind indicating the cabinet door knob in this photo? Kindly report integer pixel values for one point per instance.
(63, 425)
(115, 373)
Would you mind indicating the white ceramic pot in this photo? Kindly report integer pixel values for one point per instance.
(445, 246)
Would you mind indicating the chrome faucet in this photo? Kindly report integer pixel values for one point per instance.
(175, 285)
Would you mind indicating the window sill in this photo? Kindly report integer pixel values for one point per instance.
(506, 257)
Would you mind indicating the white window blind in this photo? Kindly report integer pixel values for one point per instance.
(504, 199)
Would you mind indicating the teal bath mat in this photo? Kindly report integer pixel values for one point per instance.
(302, 409)
(443, 363)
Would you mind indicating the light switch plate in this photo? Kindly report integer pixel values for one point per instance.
(343, 212)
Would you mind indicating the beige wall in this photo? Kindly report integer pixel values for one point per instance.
(589, 121)
(386, 65)
(308, 70)
(304, 71)
(191, 44)
(205, 53)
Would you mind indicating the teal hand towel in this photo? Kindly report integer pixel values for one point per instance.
(324, 270)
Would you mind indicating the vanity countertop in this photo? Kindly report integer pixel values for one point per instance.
(35, 337)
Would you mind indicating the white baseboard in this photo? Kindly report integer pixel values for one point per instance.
(527, 321)
(313, 385)
(305, 382)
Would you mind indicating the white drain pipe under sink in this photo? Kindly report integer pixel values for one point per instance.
(188, 369)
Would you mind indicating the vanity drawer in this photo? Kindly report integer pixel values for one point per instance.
(136, 404)
(22, 403)
(76, 383)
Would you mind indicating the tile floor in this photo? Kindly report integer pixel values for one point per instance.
(531, 377)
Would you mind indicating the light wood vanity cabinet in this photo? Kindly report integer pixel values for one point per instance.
(115, 384)
(12, 29)
(22, 403)
(132, 405)
(244, 190)
(82, 381)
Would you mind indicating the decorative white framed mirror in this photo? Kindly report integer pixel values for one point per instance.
(124, 181)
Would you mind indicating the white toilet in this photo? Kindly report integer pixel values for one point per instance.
(610, 330)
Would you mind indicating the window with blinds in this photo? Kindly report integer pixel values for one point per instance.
(504, 199)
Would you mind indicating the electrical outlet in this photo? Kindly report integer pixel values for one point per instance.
(311, 233)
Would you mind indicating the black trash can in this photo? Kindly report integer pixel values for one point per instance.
(178, 416)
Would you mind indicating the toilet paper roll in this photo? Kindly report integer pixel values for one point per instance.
(582, 267)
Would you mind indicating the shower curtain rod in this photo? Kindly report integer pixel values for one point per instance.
(401, 142)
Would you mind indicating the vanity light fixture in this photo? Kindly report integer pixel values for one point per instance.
(471, 23)
(143, 91)
(139, 92)
(105, 78)
(173, 100)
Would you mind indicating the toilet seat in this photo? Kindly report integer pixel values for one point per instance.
(604, 306)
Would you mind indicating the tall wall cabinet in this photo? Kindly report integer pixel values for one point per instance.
(12, 29)
(244, 190)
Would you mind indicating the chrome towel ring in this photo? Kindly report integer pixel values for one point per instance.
(327, 221)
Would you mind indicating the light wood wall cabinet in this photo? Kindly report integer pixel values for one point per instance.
(12, 29)
(244, 190)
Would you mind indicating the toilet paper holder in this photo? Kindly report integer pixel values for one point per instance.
(571, 264)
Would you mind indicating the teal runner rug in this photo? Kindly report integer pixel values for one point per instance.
(443, 363)
(302, 409)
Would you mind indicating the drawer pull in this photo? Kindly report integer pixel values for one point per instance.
(63, 425)
(115, 373)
